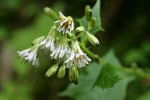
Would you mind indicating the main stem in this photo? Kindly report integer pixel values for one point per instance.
(132, 71)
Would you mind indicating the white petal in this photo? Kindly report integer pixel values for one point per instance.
(58, 21)
(61, 15)
(72, 25)
(63, 22)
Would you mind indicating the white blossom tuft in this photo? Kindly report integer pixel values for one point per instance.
(77, 57)
(30, 56)
(60, 51)
(48, 43)
(66, 24)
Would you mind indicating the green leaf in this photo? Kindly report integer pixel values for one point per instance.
(108, 76)
(96, 14)
(88, 77)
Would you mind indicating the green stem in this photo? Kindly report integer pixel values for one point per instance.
(132, 71)
(91, 54)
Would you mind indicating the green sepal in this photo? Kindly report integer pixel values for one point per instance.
(92, 22)
(38, 40)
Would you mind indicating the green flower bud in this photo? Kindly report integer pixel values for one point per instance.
(92, 22)
(62, 71)
(38, 40)
(51, 13)
(80, 29)
(92, 38)
(74, 74)
(88, 13)
(52, 70)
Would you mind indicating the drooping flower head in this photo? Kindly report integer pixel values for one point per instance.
(61, 49)
(48, 42)
(77, 57)
(66, 24)
(30, 55)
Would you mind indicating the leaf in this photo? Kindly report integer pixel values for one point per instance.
(117, 92)
(96, 14)
(107, 77)
(84, 90)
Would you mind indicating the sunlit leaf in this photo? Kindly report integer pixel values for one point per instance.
(107, 77)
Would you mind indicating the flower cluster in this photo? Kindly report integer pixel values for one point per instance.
(64, 47)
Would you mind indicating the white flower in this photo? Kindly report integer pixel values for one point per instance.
(60, 51)
(48, 43)
(77, 57)
(66, 24)
(80, 59)
(30, 56)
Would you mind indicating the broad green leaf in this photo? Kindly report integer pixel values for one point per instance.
(108, 76)
(117, 92)
(84, 90)
(112, 59)
(96, 14)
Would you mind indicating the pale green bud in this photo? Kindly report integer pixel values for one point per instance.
(51, 13)
(62, 71)
(38, 40)
(52, 70)
(92, 38)
(88, 13)
(80, 29)
(73, 74)
(93, 21)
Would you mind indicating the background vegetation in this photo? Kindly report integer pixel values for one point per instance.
(126, 24)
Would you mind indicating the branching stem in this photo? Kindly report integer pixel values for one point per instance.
(132, 71)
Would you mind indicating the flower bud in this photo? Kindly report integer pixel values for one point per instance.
(62, 71)
(80, 29)
(92, 22)
(92, 38)
(51, 13)
(88, 13)
(74, 74)
(52, 70)
(38, 40)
